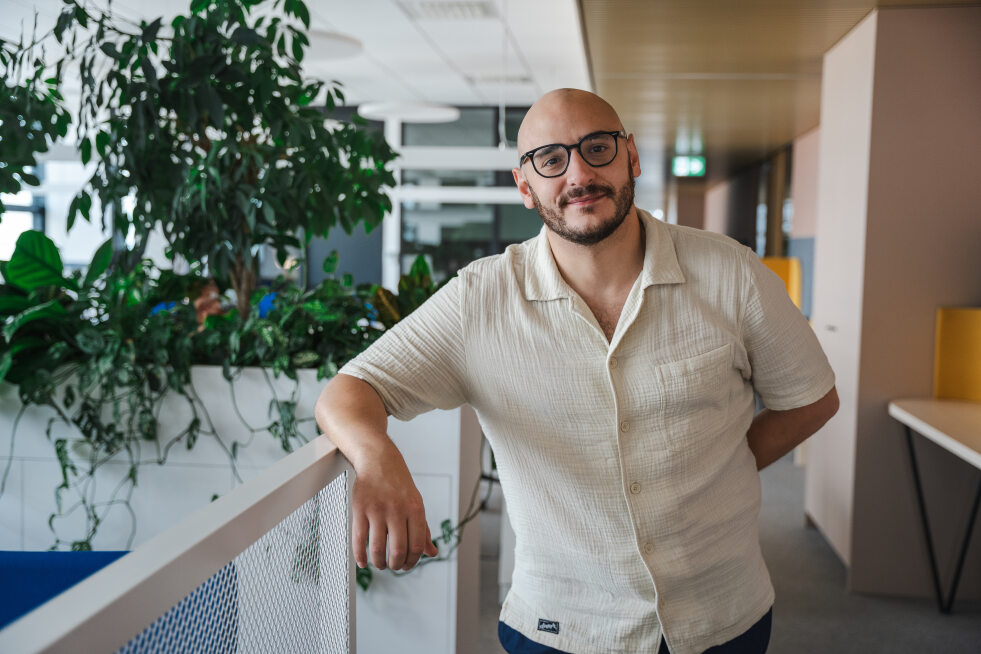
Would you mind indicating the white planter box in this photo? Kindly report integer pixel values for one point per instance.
(433, 609)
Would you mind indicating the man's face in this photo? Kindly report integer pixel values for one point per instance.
(586, 204)
(592, 201)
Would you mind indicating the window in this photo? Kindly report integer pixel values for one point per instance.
(452, 235)
(24, 211)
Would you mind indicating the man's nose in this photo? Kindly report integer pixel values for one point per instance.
(579, 173)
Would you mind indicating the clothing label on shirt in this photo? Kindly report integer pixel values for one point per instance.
(551, 626)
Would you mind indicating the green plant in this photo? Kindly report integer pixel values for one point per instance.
(210, 128)
(32, 115)
(209, 125)
(103, 349)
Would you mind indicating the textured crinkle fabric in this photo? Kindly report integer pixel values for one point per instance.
(630, 486)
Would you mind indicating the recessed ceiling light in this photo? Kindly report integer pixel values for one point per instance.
(448, 9)
(325, 45)
(409, 112)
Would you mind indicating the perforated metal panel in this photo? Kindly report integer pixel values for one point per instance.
(288, 592)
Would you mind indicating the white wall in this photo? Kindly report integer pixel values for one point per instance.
(804, 184)
(846, 123)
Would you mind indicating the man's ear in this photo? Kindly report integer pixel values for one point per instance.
(523, 188)
(633, 156)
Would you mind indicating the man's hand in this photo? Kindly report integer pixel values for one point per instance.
(387, 506)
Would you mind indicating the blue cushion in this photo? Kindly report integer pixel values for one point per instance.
(29, 579)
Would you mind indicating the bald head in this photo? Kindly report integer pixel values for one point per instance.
(564, 116)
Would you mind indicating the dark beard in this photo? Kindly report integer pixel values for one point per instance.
(623, 201)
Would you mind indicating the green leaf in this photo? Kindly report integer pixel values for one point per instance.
(50, 309)
(101, 143)
(26, 343)
(245, 36)
(305, 359)
(363, 577)
(36, 262)
(100, 263)
(86, 150)
(13, 303)
(6, 361)
(303, 14)
(330, 263)
(90, 341)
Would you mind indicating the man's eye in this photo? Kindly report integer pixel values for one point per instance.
(550, 162)
(598, 148)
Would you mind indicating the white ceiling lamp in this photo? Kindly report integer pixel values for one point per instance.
(409, 112)
(330, 46)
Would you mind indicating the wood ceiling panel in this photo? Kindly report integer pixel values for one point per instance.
(740, 78)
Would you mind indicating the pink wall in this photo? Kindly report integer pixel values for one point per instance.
(898, 234)
(717, 207)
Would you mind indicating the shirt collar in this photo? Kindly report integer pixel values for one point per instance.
(544, 282)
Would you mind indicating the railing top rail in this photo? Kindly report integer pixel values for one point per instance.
(108, 608)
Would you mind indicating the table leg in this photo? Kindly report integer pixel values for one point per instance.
(967, 541)
(925, 520)
(945, 605)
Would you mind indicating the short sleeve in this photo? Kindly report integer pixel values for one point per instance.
(789, 368)
(420, 363)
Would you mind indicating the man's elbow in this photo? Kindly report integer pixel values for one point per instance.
(827, 407)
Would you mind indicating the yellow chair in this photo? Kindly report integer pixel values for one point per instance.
(957, 360)
(787, 269)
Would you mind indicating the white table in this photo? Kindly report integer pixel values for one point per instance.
(954, 425)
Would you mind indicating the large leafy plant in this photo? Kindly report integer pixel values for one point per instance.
(102, 349)
(210, 127)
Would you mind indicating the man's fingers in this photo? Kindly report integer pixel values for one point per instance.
(359, 538)
(430, 546)
(397, 544)
(376, 543)
(418, 537)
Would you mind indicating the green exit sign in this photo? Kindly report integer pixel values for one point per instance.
(688, 166)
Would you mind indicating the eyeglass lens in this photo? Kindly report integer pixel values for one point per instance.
(596, 150)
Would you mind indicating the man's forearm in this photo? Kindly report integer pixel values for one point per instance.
(774, 433)
(387, 512)
(352, 415)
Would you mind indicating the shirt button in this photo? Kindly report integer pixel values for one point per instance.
(624, 426)
(613, 362)
(648, 548)
(635, 488)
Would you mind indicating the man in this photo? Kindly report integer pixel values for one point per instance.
(611, 361)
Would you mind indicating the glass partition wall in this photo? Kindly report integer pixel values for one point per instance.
(456, 200)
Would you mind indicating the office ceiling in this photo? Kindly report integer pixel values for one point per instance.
(731, 80)
(462, 52)
(734, 80)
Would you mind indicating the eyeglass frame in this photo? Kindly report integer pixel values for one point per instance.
(528, 156)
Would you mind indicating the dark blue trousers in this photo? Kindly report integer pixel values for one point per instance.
(753, 641)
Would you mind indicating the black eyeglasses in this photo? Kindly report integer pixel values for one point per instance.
(596, 149)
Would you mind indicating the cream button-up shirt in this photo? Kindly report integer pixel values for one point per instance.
(632, 492)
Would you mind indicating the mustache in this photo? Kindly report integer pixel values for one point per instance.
(583, 191)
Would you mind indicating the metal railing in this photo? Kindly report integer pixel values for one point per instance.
(266, 568)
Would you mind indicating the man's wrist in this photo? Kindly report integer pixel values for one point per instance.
(374, 453)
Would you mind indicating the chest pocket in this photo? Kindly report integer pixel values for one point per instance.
(694, 397)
